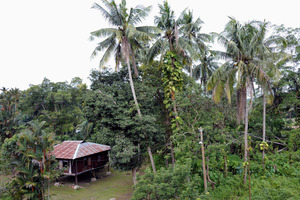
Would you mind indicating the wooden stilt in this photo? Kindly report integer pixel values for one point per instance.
(76, 181)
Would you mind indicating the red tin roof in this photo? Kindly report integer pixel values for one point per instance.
(77, 149)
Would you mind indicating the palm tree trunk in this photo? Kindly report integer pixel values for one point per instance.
(264, 127)
(174, 109)
(151, 159)
(172, 153)
(225, 166)
(132, 88)
(135, 100)
(136, 72)
(249, 178)
(207, 174)
(134, 170)
(246, 138)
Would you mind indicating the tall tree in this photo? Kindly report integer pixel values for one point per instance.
(123, 37)
(191, 40)
(165, 46)
(290, 70)
(59, 104)
(244, 60)
(109, 108)
(206, 67)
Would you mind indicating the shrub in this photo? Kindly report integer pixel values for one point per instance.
(172, 183)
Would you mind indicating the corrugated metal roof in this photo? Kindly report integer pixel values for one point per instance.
(77, 149)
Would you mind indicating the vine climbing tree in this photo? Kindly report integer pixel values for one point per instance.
(172, 82)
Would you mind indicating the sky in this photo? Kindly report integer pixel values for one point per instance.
(50, 38)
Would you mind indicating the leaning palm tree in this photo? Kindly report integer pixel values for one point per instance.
(123, 38)
(245, 64)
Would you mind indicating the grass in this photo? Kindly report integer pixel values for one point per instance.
(272, 188)
(117, 185)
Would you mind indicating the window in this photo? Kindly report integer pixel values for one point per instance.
(66, 164)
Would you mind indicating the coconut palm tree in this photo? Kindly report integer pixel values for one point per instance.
(123, 38)
(166, 43)
(245, 63)
(271, 61)
(180, 43)
(205, 68)
(190, 39)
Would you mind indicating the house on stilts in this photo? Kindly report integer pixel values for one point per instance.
(77, 157)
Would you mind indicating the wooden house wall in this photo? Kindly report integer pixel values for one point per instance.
(90, 162)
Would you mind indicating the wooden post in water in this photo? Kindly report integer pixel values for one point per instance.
(203, 159)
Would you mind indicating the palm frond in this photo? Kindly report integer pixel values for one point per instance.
(130, 31)
(107, 54)
(229, 84)
(221, 54)
(135, 43)
(189, 47)
(258, 36)
(155, 49)
(109, 16)
(220, 38)
(104, 32)
(118, 56)
(204, 37)
(149, 29)
(138, 14)
(143, 36)
(104, 44)
(217, 75)
(218, 91)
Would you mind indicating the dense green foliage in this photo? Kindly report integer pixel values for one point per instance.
(110, 108)
(160, 109)
(59, 104)
(176, 182)
(28, 155)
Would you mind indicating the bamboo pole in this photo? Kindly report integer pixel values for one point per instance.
(203, 159)
(264, 129)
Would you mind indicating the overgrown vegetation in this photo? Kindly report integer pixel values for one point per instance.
(251, 134)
